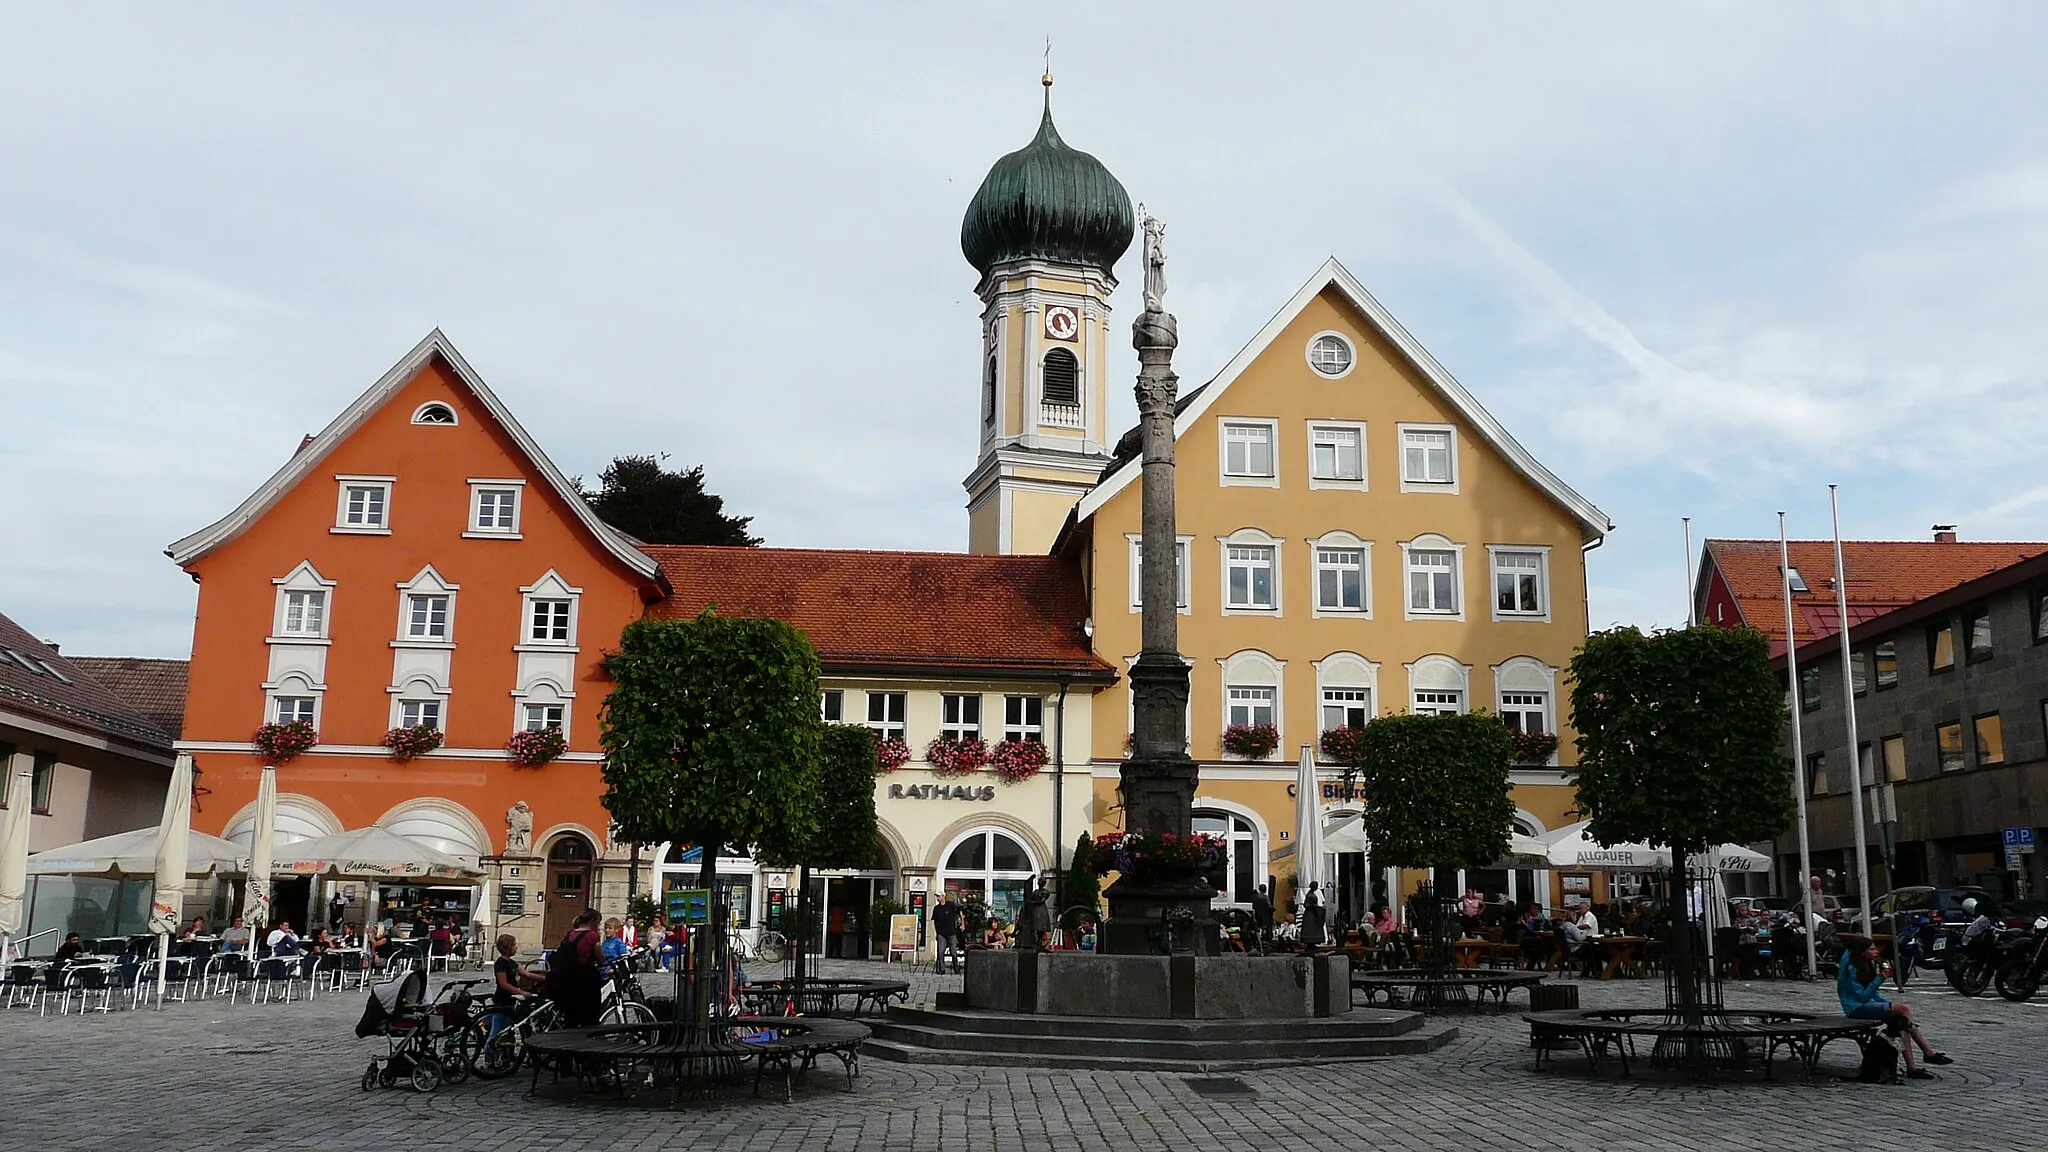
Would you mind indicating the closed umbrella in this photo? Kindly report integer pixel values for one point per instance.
(256, 891)
(14, 859)
(167, 901)
(1308, 829)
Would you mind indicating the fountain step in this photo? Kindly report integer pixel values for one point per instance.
(918, 1036)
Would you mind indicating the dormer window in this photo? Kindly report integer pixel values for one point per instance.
(434, 413)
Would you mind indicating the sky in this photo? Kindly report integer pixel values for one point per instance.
(1703, 260)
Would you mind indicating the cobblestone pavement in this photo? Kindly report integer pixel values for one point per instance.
(206, 1075)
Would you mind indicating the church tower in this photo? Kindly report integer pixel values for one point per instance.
(1044, 231)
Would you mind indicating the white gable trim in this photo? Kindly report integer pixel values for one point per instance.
(1592, 521)
(351, 418)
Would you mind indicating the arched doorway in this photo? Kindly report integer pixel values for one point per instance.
(569, 864)
(991, 866)
(1241, 871)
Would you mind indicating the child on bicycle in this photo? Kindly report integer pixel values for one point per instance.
(511, 983)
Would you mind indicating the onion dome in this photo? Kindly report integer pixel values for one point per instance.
(1047, 201)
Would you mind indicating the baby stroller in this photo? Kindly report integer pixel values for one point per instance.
(398, 1012)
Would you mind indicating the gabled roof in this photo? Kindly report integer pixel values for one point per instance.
(1592, 521)
(1877, 622)
(944, 613)
(312, 451)
(38, 683)
(155, 688)
(1883, 576)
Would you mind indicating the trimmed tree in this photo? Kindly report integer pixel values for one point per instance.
(711, 738)
(1436, 795)
(1678, 742)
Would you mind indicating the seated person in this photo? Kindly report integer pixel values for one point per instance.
(441, 941)
(282, 941)
(196, 928)
(70, 950)
(1383, 922)
(352, 936)
(1588, 922)
(235, 938)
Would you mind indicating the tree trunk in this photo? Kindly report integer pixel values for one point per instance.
(795, 936)
(1685, 982)
(712, 945)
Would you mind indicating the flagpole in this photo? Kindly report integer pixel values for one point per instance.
(1799, 783)
(1691, 616)
(1849, 711)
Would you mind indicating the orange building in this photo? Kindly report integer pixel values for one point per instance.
(418, 562)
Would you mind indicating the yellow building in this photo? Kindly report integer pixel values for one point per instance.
(1359, 536)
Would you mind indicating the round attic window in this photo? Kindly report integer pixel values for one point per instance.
(1330, 354)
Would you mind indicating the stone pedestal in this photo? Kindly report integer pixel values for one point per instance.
(1156, 917)
(1235, 987)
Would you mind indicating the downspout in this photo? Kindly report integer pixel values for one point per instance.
(1059, 806)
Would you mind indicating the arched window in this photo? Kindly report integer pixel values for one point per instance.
(297, 819)
(1252, 690)
(991, 866)
(1062, 378)
(434, 413)
(1347, 681)
(437, 828)
(988, 389)
(1241, 873)
(1439, 686)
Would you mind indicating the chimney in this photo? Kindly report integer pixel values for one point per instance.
(1944, 533)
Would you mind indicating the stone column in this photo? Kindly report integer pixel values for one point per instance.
(1158, 785)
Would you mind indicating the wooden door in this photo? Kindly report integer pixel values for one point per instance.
(568, 890)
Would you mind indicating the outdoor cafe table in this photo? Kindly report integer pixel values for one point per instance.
(1468, 952)
(1624, 955)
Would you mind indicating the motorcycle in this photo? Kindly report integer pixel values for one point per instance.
(2020, 976)
(1972, 956)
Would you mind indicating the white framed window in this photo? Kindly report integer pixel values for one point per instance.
(1251, 572)
(427, 616)
(1250, 705)
(1180, 556)
(419, 713)
(494, 508)
(1429, 458)
(305, 613)
(1346, 707)
(1438, 686)
(1521, 582)
(302, 603)
(433, 412)
(1343, 578)
(885, 714)
(832, 705)
(1330, 354)
(1347, 684)
(292, 709)
(1431, 568)
(364, 505)
(539, 716)
(547, 621)
(1525, 711)
(548, 614)
(1024, 718)
(1336, 455)
(960, 716)
(1249, 448)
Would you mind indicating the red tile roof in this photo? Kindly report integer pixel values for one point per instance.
(1883, 575)
(39, 684)
(153, 687)
(942, 611)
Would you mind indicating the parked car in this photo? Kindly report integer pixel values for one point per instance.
(1939, 905)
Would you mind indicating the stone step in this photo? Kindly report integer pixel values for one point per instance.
(1104, 1054)
(1380, 1022)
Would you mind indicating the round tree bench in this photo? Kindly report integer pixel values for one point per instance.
(787, 1044)
(1729, 1034)
(1437, 990)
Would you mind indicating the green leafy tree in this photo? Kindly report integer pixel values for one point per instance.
(1436, 790)
(844, 830)
(711, 737)
(641, 498)
(1678, 742)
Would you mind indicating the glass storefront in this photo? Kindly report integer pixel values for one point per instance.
(992, 867)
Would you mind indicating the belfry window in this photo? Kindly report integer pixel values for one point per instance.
(1062, 377)
(988, 389)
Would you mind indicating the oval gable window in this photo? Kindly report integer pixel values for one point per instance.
(1330, 354)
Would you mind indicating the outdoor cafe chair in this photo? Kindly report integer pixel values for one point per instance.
(86, 981)
(274, 973)
(24, 983)
(223, 971)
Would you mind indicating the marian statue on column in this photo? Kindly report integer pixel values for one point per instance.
(1155, 263)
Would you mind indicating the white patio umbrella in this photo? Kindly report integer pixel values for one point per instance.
(1308, 827)
(1571, 847)
(373, 852)
(133, 854)
(14, 859)
(1732, 858)
(167, 901)
(262, 838)
(1346, 834)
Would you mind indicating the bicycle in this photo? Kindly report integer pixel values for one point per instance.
(493, 1057)
(771, 948)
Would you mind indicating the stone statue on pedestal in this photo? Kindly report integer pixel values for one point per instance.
(1155, 262)
(518, 829)
(1034, 926)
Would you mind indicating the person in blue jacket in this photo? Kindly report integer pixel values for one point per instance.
(1857, 983)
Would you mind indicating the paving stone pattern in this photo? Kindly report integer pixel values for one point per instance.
(207, 1075)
